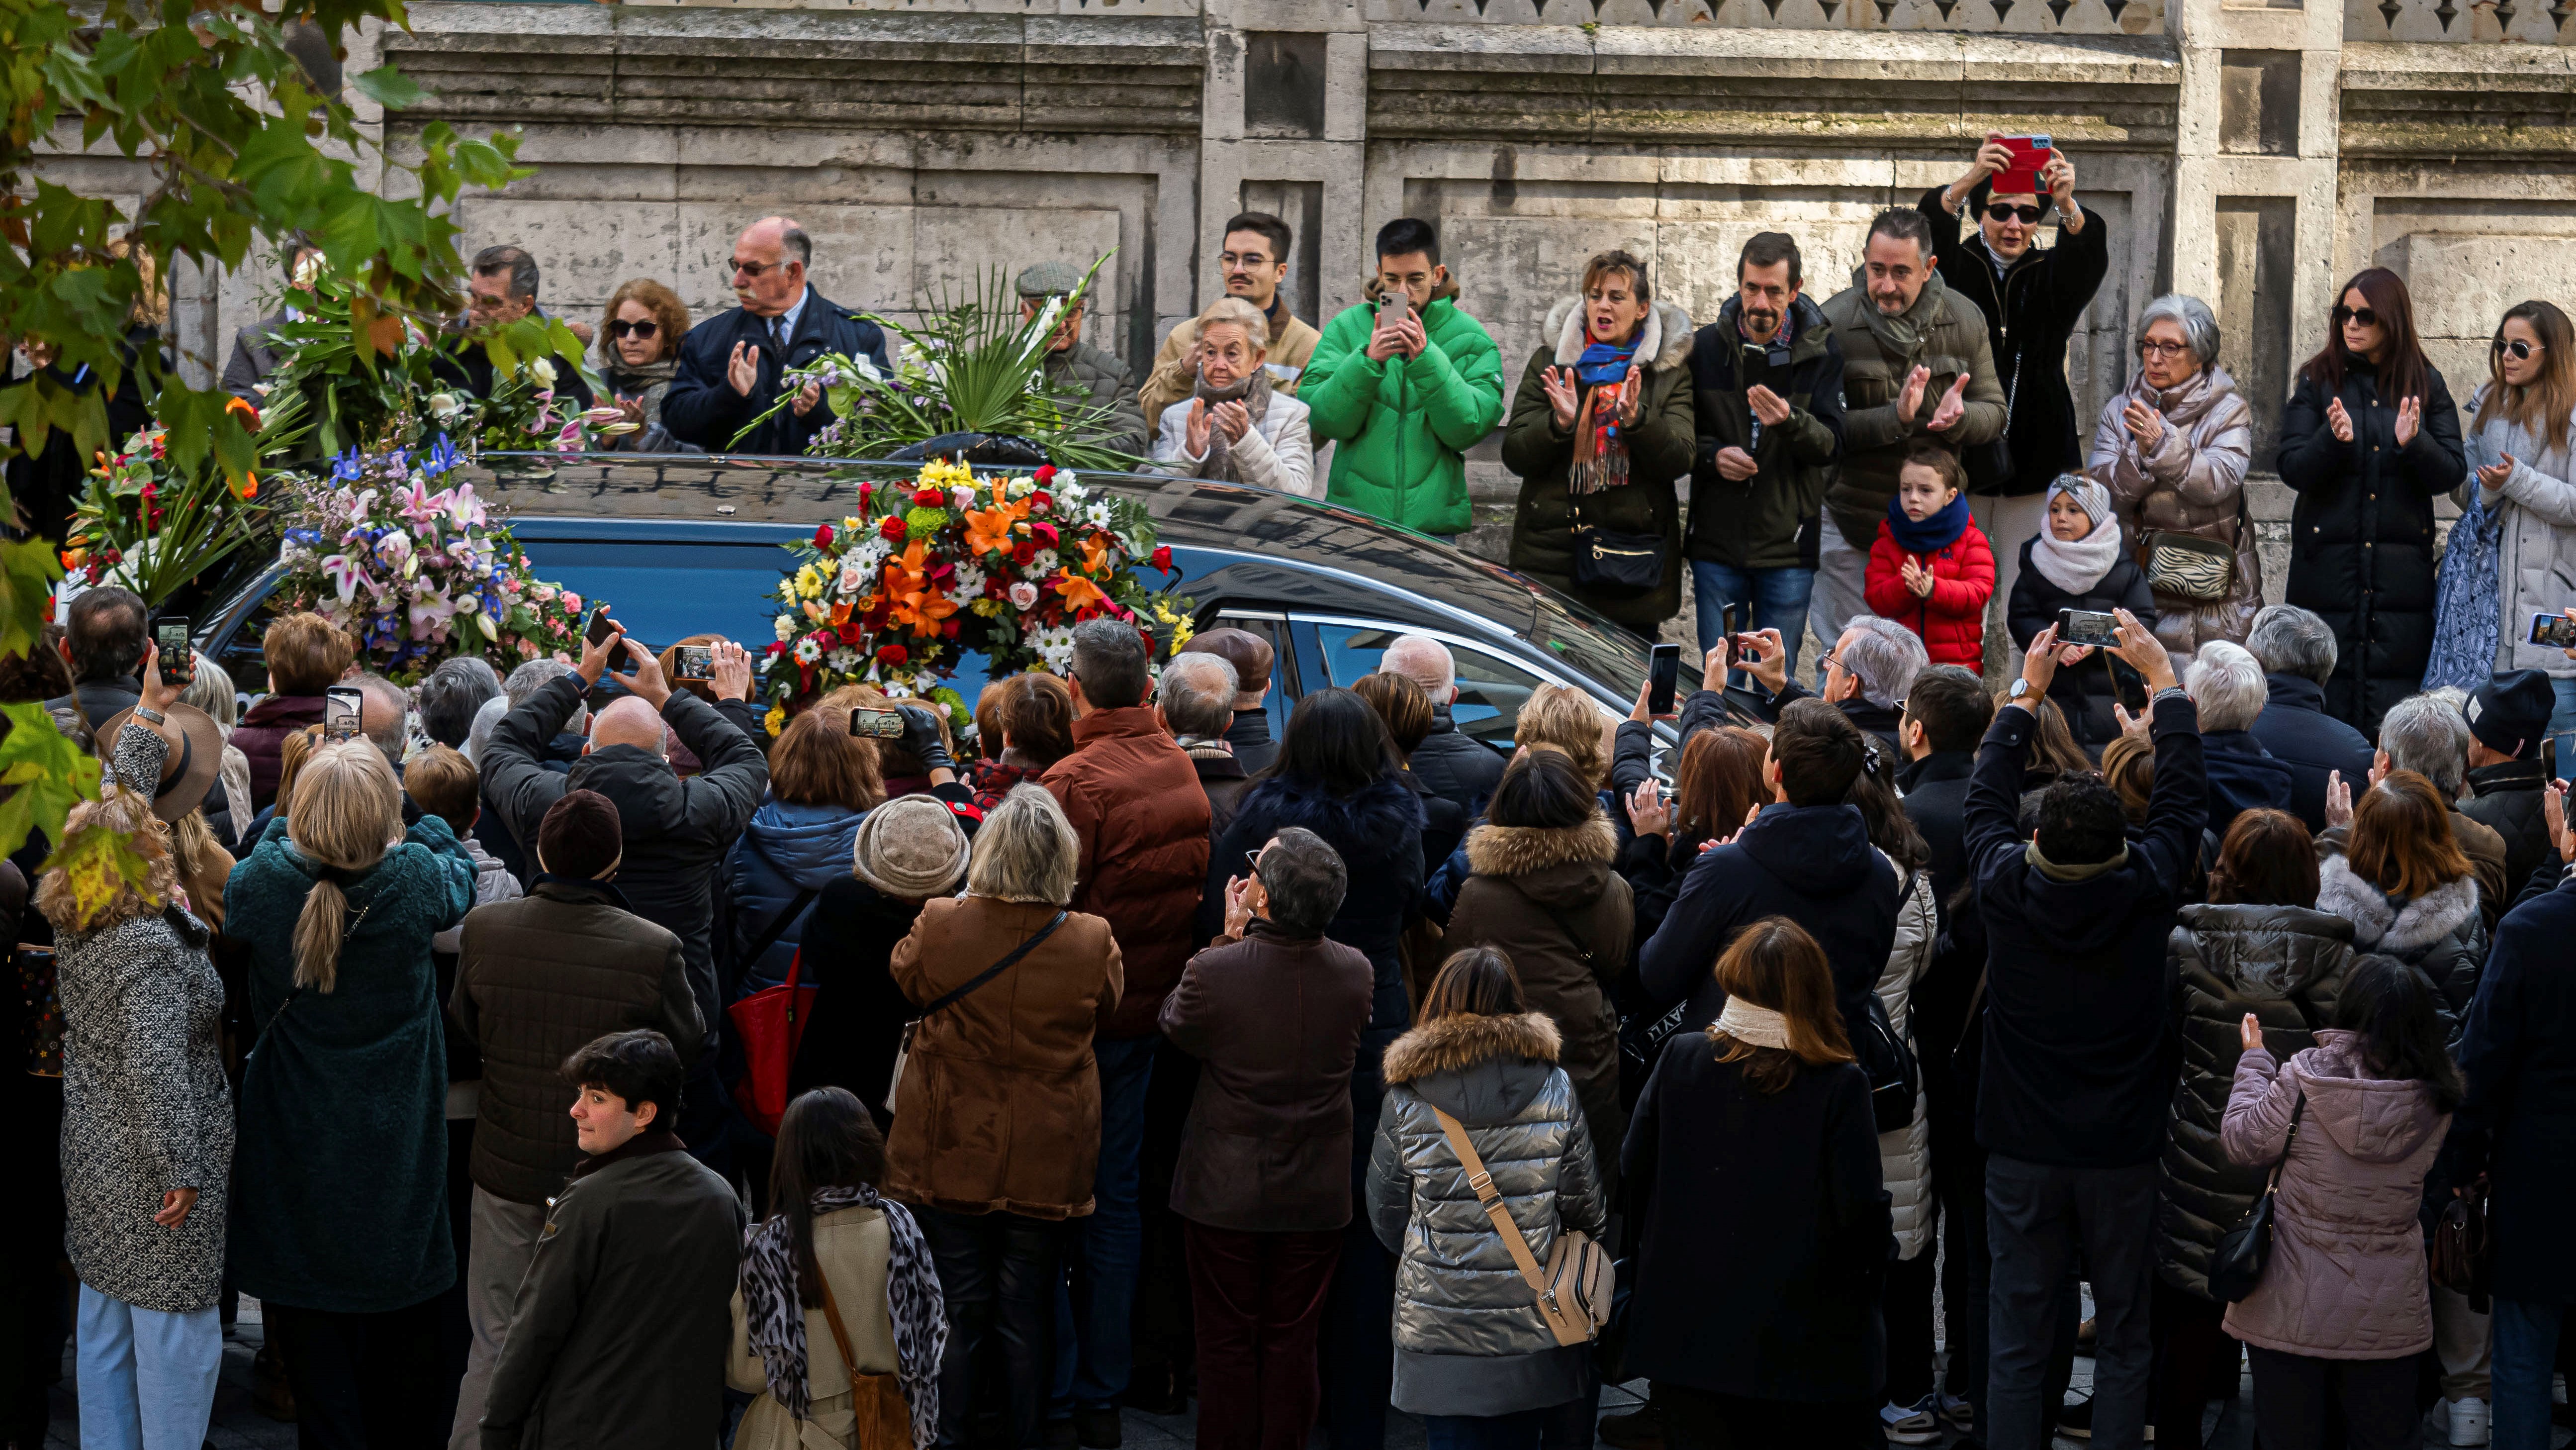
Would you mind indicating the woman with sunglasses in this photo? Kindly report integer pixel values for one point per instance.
(2519, 528)
(2369, 440)
(639, 350)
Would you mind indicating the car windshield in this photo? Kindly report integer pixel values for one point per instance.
(1592, 645)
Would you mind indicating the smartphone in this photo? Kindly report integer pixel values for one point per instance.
(340, 707)
(1663, 673)
(601, 626)
(2029, 154)
(2549, 758)
(1755, 370)
(2087, 626)
(697, 662)
(1402, 302)
(178, 658)
(875, 724)
(2556, 631)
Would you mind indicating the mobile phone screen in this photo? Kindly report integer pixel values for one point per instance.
(2554, 631)
(877, 724)
(178, 662)
(696, 662)
(601, 627)
(1663, 672)
(2087, 626)
(340, 707)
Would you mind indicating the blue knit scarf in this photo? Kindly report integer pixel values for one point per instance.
(1933, 534)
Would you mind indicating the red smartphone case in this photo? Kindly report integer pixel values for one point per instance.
(2029, 154)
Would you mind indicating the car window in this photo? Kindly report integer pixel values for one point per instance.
(1491, 689)
(1273, 629)
(1593, 647)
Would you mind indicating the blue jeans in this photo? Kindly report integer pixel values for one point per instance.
(1558, 1427)
(2526, 1355)
(147, 1378)
(1094, 1361)
(1778, 596)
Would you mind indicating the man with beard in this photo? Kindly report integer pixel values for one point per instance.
(1767, 385)
(1255, 262)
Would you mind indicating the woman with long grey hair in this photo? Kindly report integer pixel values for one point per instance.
(2173, 448)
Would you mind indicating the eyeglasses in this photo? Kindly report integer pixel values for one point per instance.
(2004, 211)
(1834, 662)
(2156, 347)
(753, 270)
(2517, 349)
(641, 330)
(2362, 315)
(1231, 260)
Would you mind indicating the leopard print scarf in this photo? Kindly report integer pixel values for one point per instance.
(775, 1319)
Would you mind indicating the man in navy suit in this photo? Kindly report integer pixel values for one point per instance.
(731, 364)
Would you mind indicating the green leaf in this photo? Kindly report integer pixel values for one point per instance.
(44, 775)
(389, 88)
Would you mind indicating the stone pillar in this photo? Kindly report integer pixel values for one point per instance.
(1283, 122)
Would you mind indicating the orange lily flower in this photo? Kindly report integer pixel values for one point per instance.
(1095, 554)
(990, 530)
(1079, 593)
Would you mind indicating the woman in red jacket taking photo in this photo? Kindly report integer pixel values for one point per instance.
(1931, 569)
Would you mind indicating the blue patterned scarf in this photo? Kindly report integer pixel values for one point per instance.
(2467, 603)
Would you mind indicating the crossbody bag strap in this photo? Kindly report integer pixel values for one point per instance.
(779, 926)
(840, 1331)
(2288, 1141)
(1501, 1213)
(951, 997)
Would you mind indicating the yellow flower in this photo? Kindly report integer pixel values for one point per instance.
(808, 585)
(775, 720)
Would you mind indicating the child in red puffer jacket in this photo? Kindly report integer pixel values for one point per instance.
(1931, 569)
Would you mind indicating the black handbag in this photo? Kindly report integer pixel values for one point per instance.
(1610, 562)
(1990, 464)
(1895, 1078)
(2248, 1247)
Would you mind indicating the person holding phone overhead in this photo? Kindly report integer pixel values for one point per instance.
(1600, 429)
(2032, 298)
(2369, 440)
(1406, 382)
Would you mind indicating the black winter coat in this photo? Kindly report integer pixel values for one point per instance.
(1811, 864)
(2519, 1056)
(1765, 1234)
(2286, 965)
(1456, 767)
(2243, 777)
(2079, 1054)
(1767, 521)
(2508, 801)
(702, 407)
(2361, 535)
(1935, 790)
(2030, 313)
(856, 1022)
(2084, 692)
(2298, 732)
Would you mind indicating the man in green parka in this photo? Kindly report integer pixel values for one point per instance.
(1405, 383)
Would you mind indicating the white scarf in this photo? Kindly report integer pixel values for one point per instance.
(2076, 567)
(1755, 1026)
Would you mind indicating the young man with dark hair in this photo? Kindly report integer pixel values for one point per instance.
(1767, 384)
(1133, 798)
(1262, 1186)
(1254, 261)
(1806, 856)
(2079, 1056)
(619, 1331)
(1406, 383)
(102, 644)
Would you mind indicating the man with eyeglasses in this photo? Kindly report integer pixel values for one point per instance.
(731, 364)
(501, 288)
(1254, 262)
(2032, 298)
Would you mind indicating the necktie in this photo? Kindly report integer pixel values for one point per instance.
(778, 339)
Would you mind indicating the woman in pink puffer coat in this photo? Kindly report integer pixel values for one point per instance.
(2342, 1309)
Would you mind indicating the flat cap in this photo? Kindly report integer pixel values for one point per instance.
(1049, 279)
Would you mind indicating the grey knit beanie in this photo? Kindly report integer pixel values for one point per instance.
(911, 847)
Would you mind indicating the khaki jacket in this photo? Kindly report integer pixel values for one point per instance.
(852, 1246)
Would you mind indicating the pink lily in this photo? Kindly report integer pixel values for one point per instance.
(429, 616)
(464, 510)
(418, 505)
(346, 572)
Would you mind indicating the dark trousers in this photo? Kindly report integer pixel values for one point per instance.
(455, 1326)
(1358, 1362)
(998, 1272)
(1699, 1420)
(1259, 1301)
(1165, 1358)
(1091, 1370)
(363, 1381)
(1558, 1427)
(2292, 1393)
(1906, 1304)
(2189, 1334)
(1959, 1177)
(2038, 1219)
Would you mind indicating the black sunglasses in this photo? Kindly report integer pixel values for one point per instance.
(633, 329)
(2004, 211)
(752, 269)
(2517, 349)
(2362, 315)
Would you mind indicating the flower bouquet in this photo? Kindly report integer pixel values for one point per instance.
(949, 563)
(415, 572)
(146, 526)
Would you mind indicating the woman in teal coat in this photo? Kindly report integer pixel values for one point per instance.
(339, 1209)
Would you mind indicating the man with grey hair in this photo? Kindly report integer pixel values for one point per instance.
(1867, 672)
(452, 695)
(2227, 684)
(732, 364)
(501, 288)
(1450, 765)
(2297, 652)
(384, 717)
(1134, 801)
(1197, 706)
(2428, 735)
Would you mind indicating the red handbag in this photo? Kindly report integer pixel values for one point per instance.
(769, 1024)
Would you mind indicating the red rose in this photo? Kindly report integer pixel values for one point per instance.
(1041, 501)
(822, 536)
(1045, 533)
(948, 626)
(865, 491)
(853, 633)
(929, 498)
(892, 528)
(1026, 553)
(1163, 558)
(776, 649)
(893, 654)
(1045, 473)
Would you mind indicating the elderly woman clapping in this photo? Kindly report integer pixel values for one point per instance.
(2173, 449)
(1231, 424)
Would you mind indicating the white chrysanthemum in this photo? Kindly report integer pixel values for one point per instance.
(970, 582)
(1055, 646)
(843, 659)
(1044, 564)
(870, 552)
(1097, 515)
(807, 651)
(785, 626)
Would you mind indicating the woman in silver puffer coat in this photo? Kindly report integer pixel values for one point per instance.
(1469, 1341)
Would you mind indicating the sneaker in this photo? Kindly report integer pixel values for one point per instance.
(1640, 1429)
(1913, 1424)
(2075, 1419)
(1096, 1429)
(1957, 1413)
(2468, 1421)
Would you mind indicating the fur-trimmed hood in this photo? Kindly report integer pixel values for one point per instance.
(2379, 924)
(1664, 341)
(1463, 1040)
(1520, 850)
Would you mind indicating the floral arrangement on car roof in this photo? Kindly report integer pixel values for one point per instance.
(925, 571)
(416, 572)
(144, 525)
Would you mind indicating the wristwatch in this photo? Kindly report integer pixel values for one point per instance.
(150, 717)
(2020, 688)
